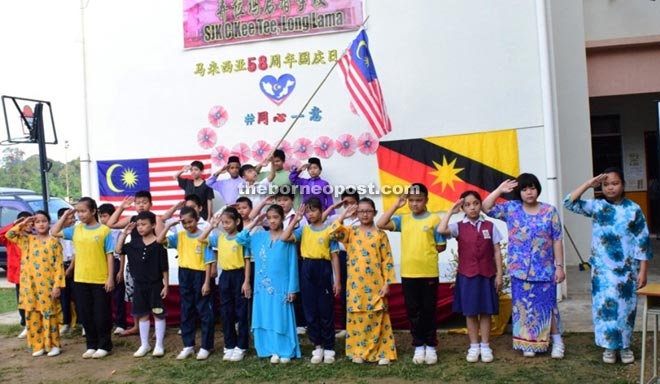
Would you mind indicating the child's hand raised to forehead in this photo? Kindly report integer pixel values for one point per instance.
(598, 180)
(351, 209)
(180, 204)
(128, 201)
(129, 228)
(300, 212)
(215, 221)
(186, 168)
(508, 186)
(403, 199)
(69, 213)
(456, 208)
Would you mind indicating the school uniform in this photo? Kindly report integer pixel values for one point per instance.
(66, 293)
(148, 262)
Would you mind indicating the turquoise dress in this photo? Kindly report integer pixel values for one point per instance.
(275, 276)
(620, 241)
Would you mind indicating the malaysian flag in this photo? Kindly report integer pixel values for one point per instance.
(363, 85)
(121, 178)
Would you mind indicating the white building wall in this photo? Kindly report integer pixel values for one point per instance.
(617, 19)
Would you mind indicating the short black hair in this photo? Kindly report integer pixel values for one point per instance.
(61, 212)
(147, 215)
(616, 170)
(42, 212)
(367, 200)
(106, 208)
(244, 168)
(23, 214)
(279, 154)
(189, 211)
(143, 193)
(350, 192)
(526, 180)
(197, 164)
(314, 203)
(195, 199)
(285, 191)
(245, 199)
(418, 189)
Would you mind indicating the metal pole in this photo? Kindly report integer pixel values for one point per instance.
(38, 123)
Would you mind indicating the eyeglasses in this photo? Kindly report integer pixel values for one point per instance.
(366, 212)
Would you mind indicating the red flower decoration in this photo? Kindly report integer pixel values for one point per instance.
(219, 156)
(260, 150)
(241, 150)
(218, 116)
(324, 147)
(367, 143)
(302, 148)
(345, 145)
(291, 161)
(206, 138)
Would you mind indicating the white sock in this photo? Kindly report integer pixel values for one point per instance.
(419, 349)
(474, 345)
(556, 338)
(485, 345)
(144, 332)
(160, 332)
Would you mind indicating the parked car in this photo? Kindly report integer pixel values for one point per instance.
(15, 200)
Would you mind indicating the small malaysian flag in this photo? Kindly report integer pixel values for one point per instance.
(121, 178)
(363, 85)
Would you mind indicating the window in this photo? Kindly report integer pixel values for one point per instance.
(606, 142)
(8, 215)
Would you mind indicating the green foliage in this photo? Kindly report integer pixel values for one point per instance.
(18, 172)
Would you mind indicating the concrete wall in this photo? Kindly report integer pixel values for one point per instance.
(572, 101)
(617, 19)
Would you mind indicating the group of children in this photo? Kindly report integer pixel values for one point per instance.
(268, 255)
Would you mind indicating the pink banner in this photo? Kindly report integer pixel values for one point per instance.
(221, 22)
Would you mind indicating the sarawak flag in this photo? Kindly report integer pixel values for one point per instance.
(449, 165)
(120, 178)
(363, 85)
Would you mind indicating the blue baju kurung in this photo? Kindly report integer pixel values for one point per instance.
(620, 241)
(275, 276)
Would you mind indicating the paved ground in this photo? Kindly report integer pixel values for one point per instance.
(575, 310)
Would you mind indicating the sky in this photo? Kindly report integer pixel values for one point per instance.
(41, 49)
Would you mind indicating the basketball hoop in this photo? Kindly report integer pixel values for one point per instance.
(29, 117)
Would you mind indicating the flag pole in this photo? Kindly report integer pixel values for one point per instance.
(295, 120)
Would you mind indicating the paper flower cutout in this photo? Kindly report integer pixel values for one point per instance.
(241, 150)
(324, 147)
(206, 138)
(219, 156)
(367, 143)
(286, 147)
(260, 150)
(218, 116)
(345, 145)
(302, 148)
(291, 161)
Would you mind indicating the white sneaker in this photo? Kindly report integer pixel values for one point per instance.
(238, 354)
(328, 356)
(557, 350)
(185, 353)
(274, 359)
(317, 356)
(473, 354)
(54, 352)
(178, 332)
(431, 356)
(38, 353)
(529, 353)
(83, 332)
(203, 354)
(65, 329)
(609, 356)
(142, 351)
(384, 361)
(118, 330)
(227, 353)
(486, 355)
(88, 354)
(357, 360)
(301, 330)
(100, 353)
(341, 334)
(23, 333)
(284, 360)
(419, 356)
(158, 352)
(627, 356)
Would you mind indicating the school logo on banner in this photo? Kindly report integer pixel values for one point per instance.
(449, 165)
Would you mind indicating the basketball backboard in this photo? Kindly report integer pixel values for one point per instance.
(20, 119)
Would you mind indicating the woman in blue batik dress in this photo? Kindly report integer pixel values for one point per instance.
(619, 252)
(535, 263)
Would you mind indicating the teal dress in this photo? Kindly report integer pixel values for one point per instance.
(275, 276)
(620, 241)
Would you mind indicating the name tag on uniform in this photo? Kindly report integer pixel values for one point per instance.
(486, 234)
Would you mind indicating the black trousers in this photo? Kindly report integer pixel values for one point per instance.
(94, 308)
(421, 297)
(318, 302)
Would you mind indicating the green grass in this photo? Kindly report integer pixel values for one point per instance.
(7, 300)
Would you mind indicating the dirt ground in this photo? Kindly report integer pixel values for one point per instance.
(582, 362)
